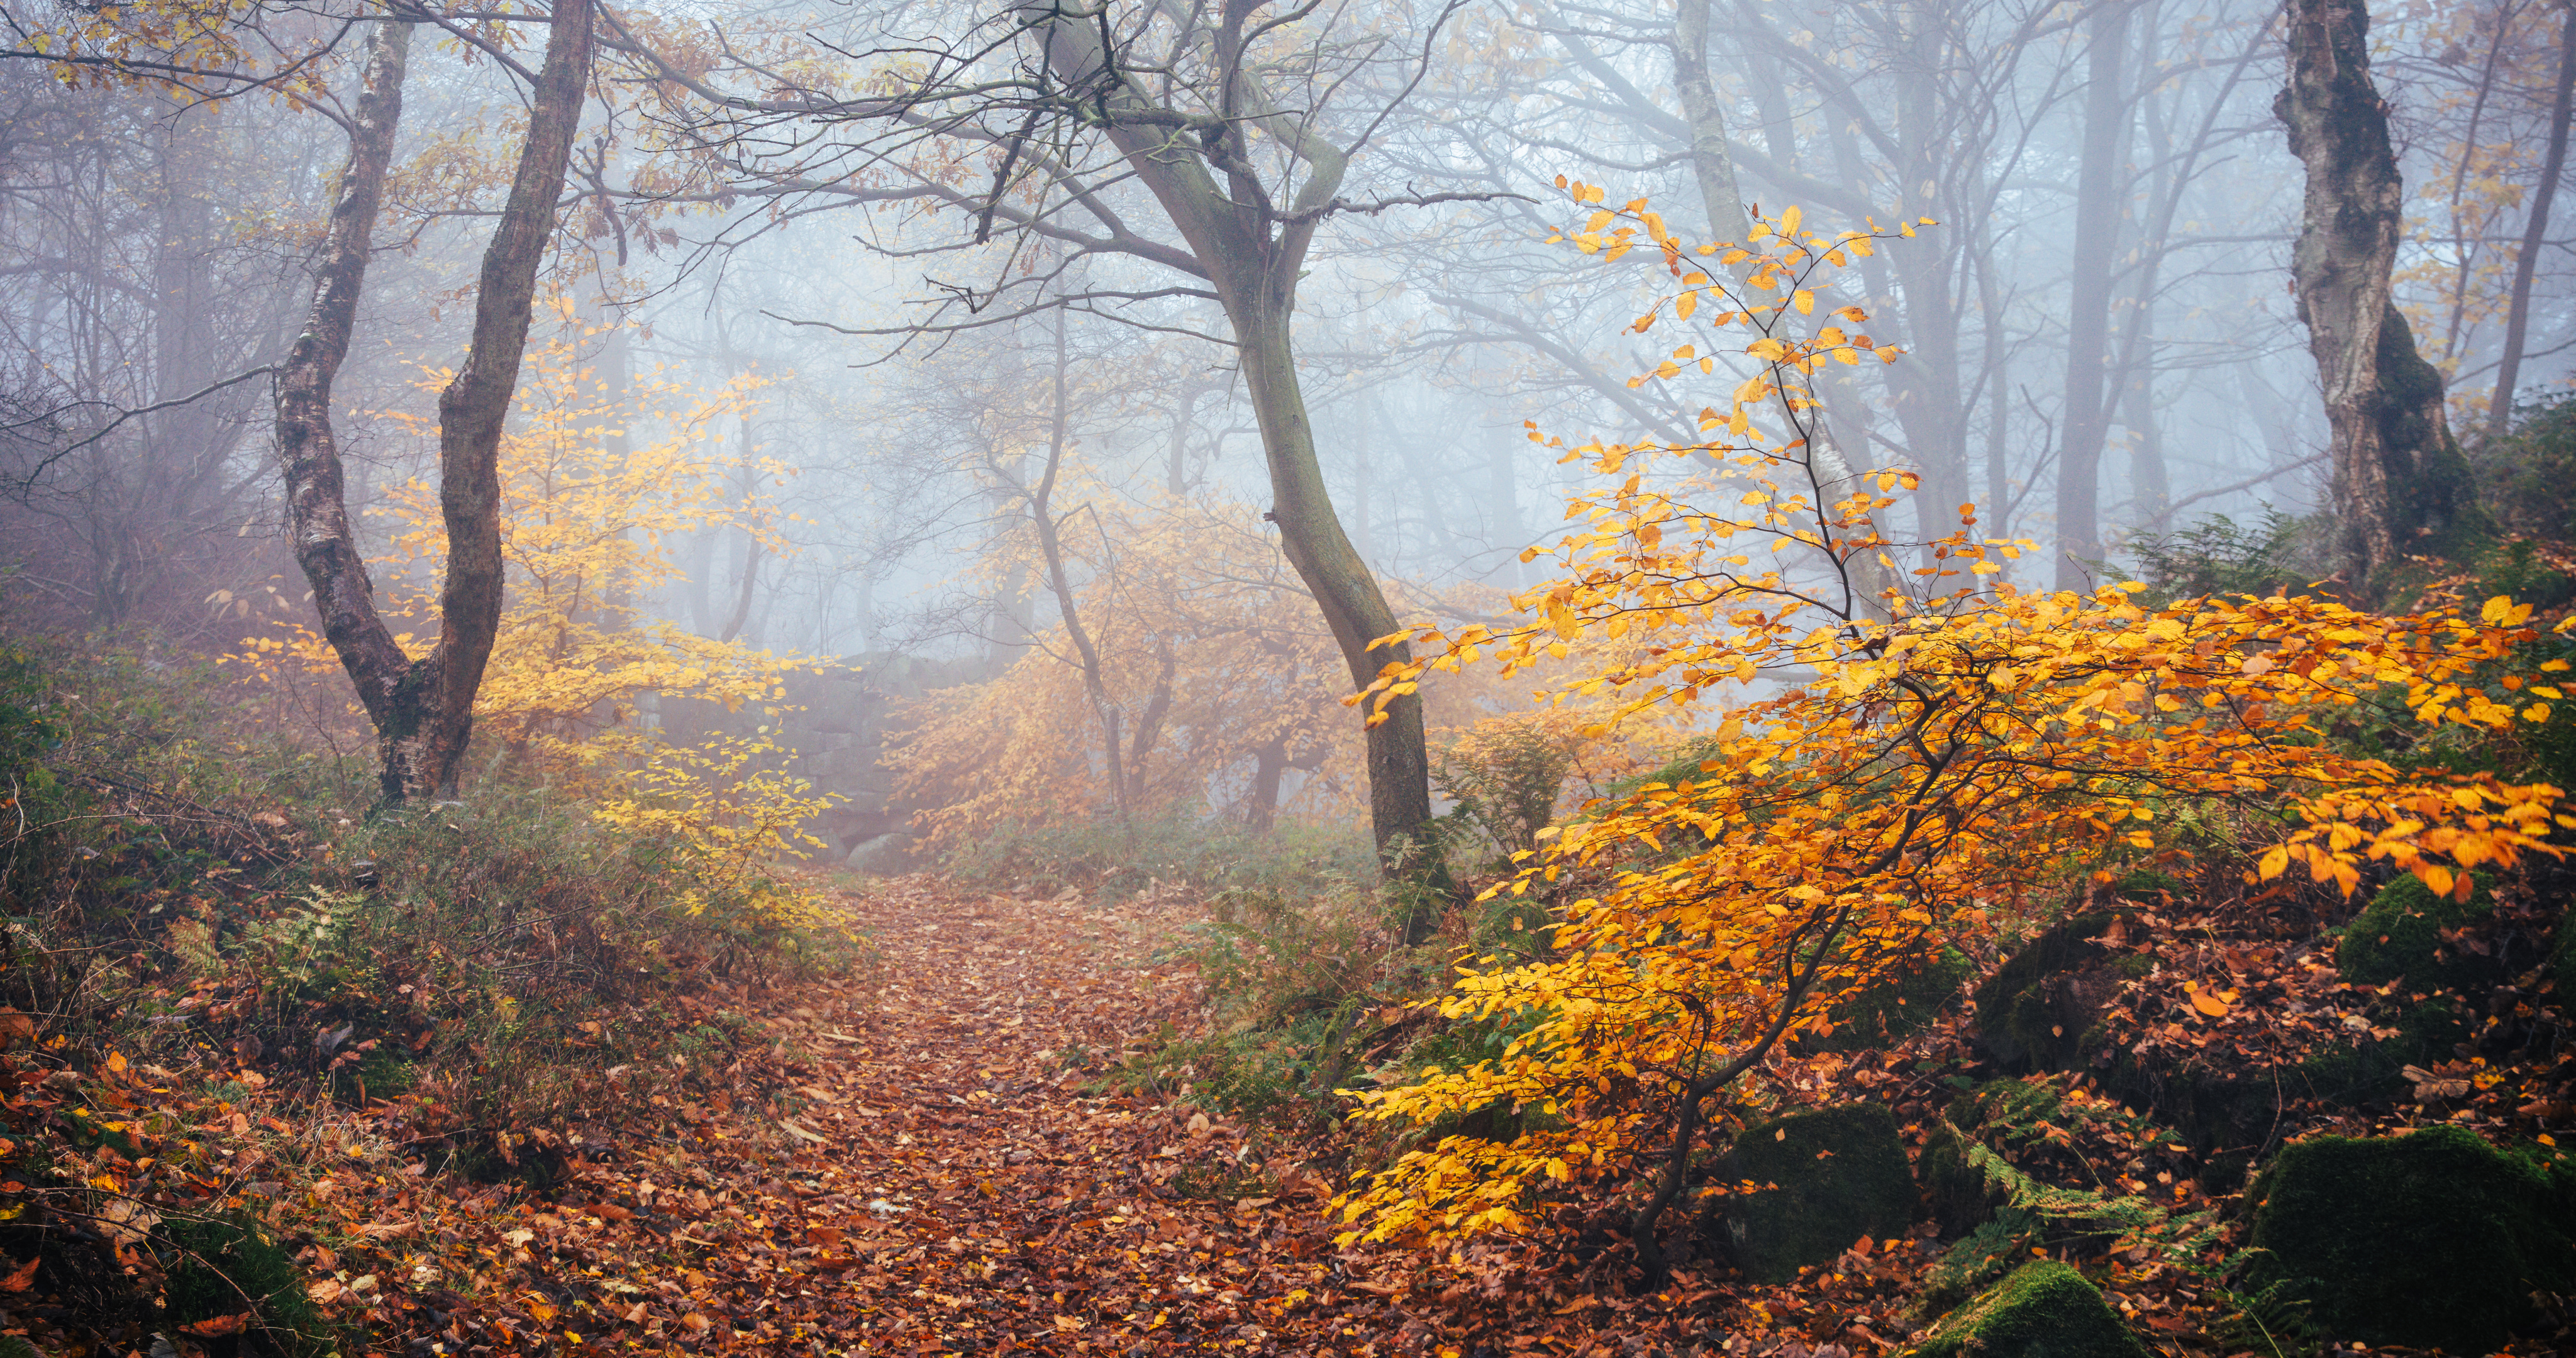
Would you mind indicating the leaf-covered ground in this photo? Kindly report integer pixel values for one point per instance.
(918, 1160)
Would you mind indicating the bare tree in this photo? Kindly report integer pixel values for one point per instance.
(2535, 231)
(1240, 127)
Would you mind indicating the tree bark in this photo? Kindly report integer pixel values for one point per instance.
(476, 404)
(2535, 232)
(2099, 192)
(2400, 484)
(316, 489)
(423, 710)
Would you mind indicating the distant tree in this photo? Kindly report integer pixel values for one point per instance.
(1038, 130)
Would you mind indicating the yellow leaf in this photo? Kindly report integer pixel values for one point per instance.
(1804, 301)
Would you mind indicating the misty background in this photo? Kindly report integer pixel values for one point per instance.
(2114, 200)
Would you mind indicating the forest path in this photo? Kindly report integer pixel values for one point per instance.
(933, 1177)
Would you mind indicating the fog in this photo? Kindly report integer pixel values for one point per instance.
(1006, 362)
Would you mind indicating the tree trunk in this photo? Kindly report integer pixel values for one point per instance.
(316, 491)
(1251, 255)
(1311, 536)
(2400, 484)
(476, 404)
(1261, 802)
(1040, 501)
(2099, 192)
(747, 580)
(1713, 167)
(423, 709)
(2535, 232)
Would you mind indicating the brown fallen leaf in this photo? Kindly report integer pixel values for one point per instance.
(219, 1326)
(22, 1277)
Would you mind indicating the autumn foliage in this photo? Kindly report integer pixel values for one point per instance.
(1881, 775)
(590, 528)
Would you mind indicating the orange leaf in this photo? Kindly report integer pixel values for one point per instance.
(2209, 1004)
(219, 1326)
(22, 1277)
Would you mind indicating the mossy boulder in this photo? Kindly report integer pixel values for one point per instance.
(2044, 1309)
(1953, 1187)
(1899, 1004)
(1842, 1175)
(2432, 1239)
(2035, 1012)
(2400, 934)
(2368, 1070)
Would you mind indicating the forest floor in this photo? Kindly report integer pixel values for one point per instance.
(930, 1153)
(946, 1177)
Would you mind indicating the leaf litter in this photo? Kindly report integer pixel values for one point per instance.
(928, 1158)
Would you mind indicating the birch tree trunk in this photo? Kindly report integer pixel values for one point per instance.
(316, 488)
(2400, 484)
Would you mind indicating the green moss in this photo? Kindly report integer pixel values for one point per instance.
(1955, 1190)
(1841, 1173)
(2044, 1310)
(1899, 1005)
(2431, 1239)
(2027, 1018)
(2428, 1032)
(225, 1266)
(2400, 934)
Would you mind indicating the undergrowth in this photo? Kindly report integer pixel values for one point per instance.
(215, 928)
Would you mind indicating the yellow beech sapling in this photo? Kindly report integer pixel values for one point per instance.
(1877, 774)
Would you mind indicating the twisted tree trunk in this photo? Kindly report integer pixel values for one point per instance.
(2400, 484)
(423, 710)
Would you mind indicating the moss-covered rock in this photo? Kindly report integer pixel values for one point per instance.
(2034, 1012)
(2400, 934)
(1952, 1187)
(2043, 1310)
(1899, 1005)
(1842, 1175)
(2369, 1070)
(2432, 1239)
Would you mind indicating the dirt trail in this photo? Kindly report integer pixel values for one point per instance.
(932, 1177)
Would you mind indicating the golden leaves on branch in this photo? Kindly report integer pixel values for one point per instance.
(1873, 782)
